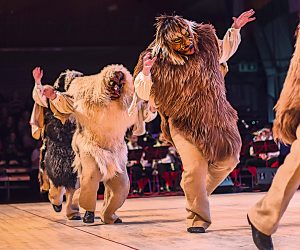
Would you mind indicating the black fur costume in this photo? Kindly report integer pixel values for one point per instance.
(57, 154)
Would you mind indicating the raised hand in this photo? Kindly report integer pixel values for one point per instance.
(147, 63)
(37, 74)
(243, 19)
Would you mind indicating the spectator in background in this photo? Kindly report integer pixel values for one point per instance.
(133, 142)
(13, 152)
(139, 170)
(168, 167)
(269, 159)
(161, 141)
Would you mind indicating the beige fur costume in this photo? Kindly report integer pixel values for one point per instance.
(190, 95)
(266, 214)
(101, 152)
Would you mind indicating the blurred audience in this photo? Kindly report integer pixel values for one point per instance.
(169, 167)
(263, 159)
(15, 134)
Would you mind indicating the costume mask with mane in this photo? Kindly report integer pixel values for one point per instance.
(101, 105)
(189, 90)
(288, 106)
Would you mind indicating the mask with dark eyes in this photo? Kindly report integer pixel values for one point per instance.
(116, 84)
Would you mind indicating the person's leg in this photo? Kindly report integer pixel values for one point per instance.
(218, 171)
(72, 206)
(89, 185)
(56, 195)
(116, 192)
(193, 183)
(266, 214)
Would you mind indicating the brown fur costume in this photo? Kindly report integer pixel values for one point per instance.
(102, 123)
(288, 106)
(190, 91)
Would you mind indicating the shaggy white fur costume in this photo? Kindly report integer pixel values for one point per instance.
(98, 142)
(102, 122)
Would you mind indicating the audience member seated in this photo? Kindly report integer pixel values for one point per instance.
(169, 167)
(139, 170)
(262, 159)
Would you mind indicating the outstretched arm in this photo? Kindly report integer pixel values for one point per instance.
(60, 102)
(232, 38)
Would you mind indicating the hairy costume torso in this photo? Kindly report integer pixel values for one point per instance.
(59, 156)
(192, 97)
(101, 122)
(288, 106)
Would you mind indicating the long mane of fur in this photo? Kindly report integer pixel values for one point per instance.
(91, 91)
(101, 121)
(288, 105)
(192, 97)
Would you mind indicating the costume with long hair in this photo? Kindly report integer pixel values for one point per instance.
(189, 93)
(196, 100)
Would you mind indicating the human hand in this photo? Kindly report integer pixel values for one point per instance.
(148, 63)
(49, 92)
(243, 19)
(37, 74)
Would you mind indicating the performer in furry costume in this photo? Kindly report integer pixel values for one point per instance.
(57, 154)
(180, 73)
(101, 104)
(266, 214)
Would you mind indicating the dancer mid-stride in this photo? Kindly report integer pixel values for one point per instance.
(181, 73)
(57, 154)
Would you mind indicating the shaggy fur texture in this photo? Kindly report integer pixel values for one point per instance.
(190, 92)
(288, 106)
(59, 156)
(102, 122)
